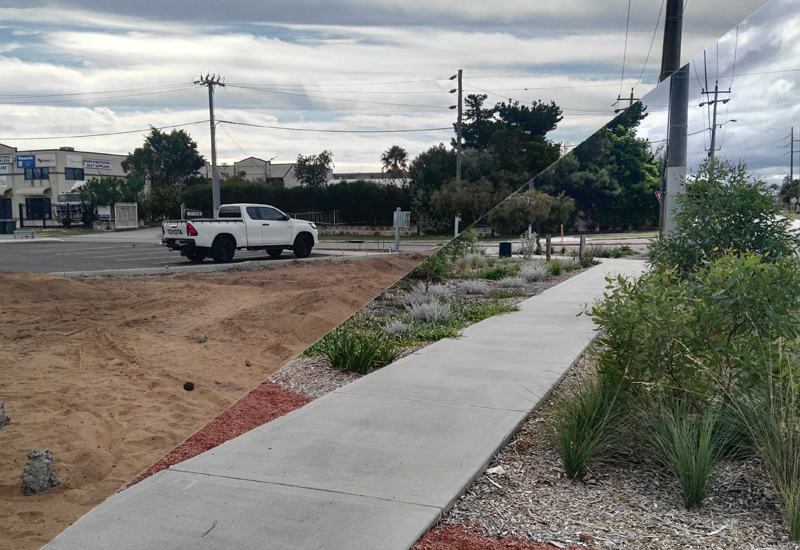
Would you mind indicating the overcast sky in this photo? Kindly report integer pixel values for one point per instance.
(349, 65)
(764, 94)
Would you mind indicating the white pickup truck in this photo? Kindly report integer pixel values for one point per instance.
(240, 226)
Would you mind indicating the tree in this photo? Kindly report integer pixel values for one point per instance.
(395, 162)
(109, 190)
(516, 132)
(469, 199)
(789, 190)
(165, 162)
(313, 170)
(613, 176)
(530, 207)
(428, 172)
(723, 208)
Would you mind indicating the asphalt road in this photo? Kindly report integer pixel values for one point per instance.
(70, 256)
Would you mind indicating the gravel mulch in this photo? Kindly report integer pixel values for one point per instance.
(622, 503)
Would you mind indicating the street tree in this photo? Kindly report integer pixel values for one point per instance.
(314, 170)
(166, 162)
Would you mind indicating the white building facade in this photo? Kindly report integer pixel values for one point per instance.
(256, 169)
(32, 180)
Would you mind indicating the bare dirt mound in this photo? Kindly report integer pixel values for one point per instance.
(94, 369)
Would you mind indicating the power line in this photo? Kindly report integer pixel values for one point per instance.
(104, 134)
(233, 140)
(335, 131)
(166, 86)
(99, 98)
(336, 99)
(652, 41)
(625, 49)
(348, 84)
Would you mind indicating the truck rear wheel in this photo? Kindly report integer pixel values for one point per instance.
(302, 246)
(223, 249)
(196, 255)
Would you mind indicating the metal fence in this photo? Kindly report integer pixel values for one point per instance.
(323, 218)
(126, 215)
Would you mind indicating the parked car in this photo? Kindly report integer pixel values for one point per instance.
(240, 226)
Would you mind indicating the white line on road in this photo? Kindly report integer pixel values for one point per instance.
(74, 249)
(120, 254)
(150, 257)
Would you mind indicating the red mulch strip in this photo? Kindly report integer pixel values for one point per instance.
(266, 402)
(464, 537)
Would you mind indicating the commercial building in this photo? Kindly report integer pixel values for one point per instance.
(256, 169)
(32, 180)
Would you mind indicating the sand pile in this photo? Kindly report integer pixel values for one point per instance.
(94, 369)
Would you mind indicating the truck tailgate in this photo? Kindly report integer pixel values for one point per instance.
(174, 229)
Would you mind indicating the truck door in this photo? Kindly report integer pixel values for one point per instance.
(252, 222)
(275, 228)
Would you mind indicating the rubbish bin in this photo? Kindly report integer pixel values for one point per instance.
(11, 226)
(505, 250)
(3, 230)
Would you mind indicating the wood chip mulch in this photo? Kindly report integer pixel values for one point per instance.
(266, 402)
(625, 502)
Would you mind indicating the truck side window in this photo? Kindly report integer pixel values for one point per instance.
(271, 214)
(255, 213)
(230, 212)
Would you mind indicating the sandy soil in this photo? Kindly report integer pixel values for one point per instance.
(94, 369)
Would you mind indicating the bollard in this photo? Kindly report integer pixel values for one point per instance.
(582, 249)
(548, 248)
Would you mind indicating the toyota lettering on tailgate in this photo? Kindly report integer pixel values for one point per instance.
(174, 231)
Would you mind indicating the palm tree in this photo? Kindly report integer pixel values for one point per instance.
(395, 162)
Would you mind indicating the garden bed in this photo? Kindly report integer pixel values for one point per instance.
(623, 502)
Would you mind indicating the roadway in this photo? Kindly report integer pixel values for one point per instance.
(53, 256)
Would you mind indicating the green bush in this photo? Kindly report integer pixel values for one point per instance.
(583, 421)
(723, 209)
(499, 272)
(434, 268)
(660, 329)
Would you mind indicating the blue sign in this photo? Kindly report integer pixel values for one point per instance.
(26, 161)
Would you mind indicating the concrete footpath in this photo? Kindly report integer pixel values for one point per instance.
(373, 464)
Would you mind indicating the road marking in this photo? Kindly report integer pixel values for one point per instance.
(120, 254)
(150, 257)
(71, 249)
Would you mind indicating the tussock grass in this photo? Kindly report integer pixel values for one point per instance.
(583, 421)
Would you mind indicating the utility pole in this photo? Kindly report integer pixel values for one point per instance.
(673, 31)
(630, 101)
(674, 172)
(459, 106)
(211, 80)
(716, 100)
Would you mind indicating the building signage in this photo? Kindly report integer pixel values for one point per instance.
(74, 161)
(3, 182)
(26, 161)
(94, 164)
(103, 212)
(45, 160)
(5, 168)
(5, 159)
